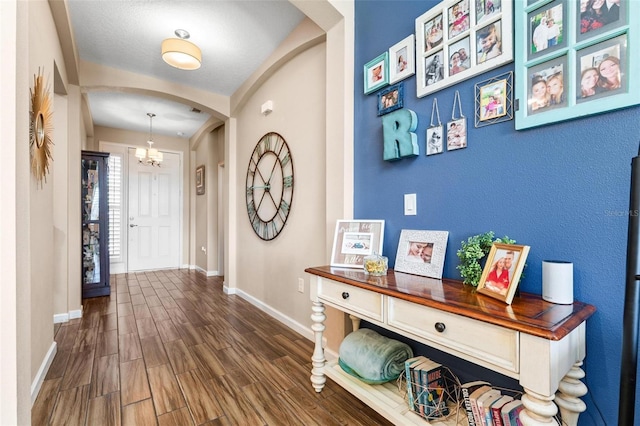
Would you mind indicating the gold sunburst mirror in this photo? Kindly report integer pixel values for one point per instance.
(40, 128)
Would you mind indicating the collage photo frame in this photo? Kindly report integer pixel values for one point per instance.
(574, 59)
(459, 39)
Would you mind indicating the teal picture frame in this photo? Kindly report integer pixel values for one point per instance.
(376, 73)
(580, 55)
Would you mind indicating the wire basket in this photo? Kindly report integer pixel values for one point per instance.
(435, 403)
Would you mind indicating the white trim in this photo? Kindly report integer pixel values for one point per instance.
(228, 290)
(58, 318)
(213, 274)
(289, 322)
(42, 372)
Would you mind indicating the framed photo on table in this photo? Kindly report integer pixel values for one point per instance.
(458, 39)
(501, 274)
(355, 239)
(573, 59)
(421, 252)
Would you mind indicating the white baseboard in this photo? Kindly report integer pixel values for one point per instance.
(289, 322)
(58, 318)
(213, 273)
(228, 290)
(42, 371)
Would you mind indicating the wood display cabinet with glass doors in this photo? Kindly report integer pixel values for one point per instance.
(95, 223)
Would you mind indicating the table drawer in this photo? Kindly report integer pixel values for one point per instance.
(486, 343)
(353, 299)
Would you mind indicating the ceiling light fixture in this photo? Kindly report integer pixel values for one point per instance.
(180, 53)
(150, 156)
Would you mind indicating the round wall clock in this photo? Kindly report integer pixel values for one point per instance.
(269, 186)
(40, 128)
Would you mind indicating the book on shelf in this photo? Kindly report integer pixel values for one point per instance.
(408, 364)
(473, 401)
(428, 385)
(484, 401)
(466, 389)
(511, 413)
(494, 415)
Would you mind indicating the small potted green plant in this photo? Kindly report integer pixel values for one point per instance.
(472, 253)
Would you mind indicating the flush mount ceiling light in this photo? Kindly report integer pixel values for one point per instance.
(149, 156)
(180, 53)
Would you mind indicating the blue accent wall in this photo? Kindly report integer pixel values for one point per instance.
(562, 189)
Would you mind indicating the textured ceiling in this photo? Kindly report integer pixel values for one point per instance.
(235, 38)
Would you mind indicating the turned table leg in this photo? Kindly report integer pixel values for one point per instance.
(539, 410)
(318, 379)
(568, 396)
(355, 322)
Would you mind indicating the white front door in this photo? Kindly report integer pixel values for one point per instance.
(154, 214)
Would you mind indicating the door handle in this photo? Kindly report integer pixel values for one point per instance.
(131, 225)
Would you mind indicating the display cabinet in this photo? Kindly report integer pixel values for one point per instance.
(95, 225)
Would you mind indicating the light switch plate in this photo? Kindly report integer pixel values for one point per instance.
(410, 207)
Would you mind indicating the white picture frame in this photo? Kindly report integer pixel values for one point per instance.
(402, 59)
(421, 252)
(437, 33)
(355, 239)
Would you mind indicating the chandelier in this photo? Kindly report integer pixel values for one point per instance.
(151, 155)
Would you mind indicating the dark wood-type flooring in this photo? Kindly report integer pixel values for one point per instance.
(170, 348)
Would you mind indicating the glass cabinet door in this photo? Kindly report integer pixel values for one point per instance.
(95, 225)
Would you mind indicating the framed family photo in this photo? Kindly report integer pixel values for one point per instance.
(355, 239)
(421, 252)
(501, 274)
(402, 59)
(200, 180)
(458, 39)
(574, 59)
(376, 73)
(390, 98)
(494, 100)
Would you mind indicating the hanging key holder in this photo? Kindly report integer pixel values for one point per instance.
(434, 132)
(457, 127)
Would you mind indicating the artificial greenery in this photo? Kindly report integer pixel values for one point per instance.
(473, 251)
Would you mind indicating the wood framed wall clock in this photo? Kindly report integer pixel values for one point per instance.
(40, 128)
(269, 187)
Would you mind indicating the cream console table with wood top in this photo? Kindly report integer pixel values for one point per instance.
(540, 344)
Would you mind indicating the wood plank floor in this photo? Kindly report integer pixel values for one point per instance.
(170, 348)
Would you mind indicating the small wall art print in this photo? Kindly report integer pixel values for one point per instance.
(355, 239)
(458, 39)
(376, 73)
(494, 100)
(402, 59)
(390, 98)
(573, 59)
(200, 180)
(501, 274)
(421, 252)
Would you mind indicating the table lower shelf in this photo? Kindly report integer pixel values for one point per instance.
(388, 400)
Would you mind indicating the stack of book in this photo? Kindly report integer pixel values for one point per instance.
(426, 387)
(487, 406)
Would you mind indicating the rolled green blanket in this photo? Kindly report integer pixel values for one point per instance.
(373, 358)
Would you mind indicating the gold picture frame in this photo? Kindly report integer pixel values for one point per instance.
(501, 274)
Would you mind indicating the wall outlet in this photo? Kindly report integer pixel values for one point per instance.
(301, 285)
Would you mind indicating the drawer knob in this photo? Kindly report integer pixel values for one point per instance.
(440, 327)
(345, 295)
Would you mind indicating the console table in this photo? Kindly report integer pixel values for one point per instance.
(540, 344)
